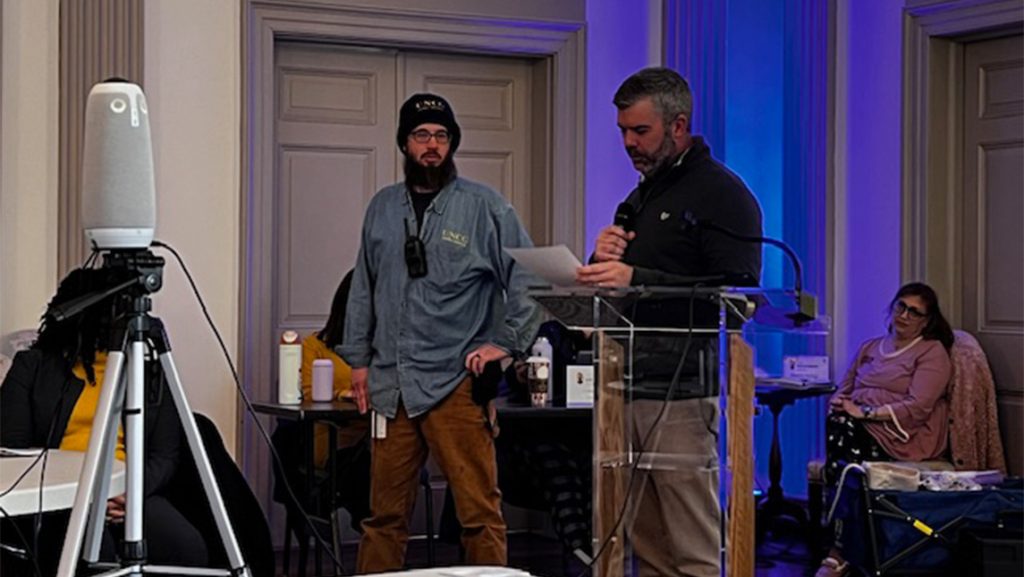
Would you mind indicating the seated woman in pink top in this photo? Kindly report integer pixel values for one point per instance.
(892, 405)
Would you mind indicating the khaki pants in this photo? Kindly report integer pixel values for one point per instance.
(454, 432)
(677, 527)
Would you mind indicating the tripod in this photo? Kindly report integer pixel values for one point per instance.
(123, 392)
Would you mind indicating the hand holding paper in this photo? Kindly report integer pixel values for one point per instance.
(605, 274)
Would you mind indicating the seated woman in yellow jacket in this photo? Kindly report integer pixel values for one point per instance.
(352, 459)
(49, 399)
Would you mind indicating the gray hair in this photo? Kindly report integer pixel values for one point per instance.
(664, 86)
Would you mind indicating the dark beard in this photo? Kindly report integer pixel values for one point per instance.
(429, 178)
(663, 159)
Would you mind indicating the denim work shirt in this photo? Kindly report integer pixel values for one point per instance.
(414, 334)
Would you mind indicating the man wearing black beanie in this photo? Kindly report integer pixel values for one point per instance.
(434, 298)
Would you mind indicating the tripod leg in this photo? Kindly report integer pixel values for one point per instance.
(87, 479)
(98, 512)
(134, 439)
(202, 461)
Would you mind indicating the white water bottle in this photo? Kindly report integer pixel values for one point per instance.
(542, 348)
(323, 381)
(289, 367)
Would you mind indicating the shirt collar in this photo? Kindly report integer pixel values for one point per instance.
(440, 201)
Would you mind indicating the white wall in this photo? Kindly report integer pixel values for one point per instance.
(28, 190)
(193, 87)
(192, 71)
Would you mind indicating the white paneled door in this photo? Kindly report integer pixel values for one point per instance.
(335, 148)
(993, 238)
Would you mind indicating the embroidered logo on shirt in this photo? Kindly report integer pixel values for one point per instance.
(665, 215)
(455, 237)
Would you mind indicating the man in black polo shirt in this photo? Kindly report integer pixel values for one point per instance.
(677, 522)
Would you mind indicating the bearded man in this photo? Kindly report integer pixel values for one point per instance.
(676, 529)
(434, 298)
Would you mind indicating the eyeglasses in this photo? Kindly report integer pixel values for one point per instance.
(424, 136)
(901, 307)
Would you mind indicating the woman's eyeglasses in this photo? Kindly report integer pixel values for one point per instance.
(424, 136)
(901, 307)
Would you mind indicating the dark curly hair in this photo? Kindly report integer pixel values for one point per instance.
(333, 332)
(79, 338)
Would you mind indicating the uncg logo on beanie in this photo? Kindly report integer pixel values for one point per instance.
(430, 104)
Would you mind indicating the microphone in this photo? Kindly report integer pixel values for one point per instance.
(624, 216)
(807, 303)
(118, 209)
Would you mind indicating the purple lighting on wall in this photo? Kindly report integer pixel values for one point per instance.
(872, 151)
(614, 51)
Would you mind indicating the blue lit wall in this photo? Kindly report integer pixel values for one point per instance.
(754, 128)
(753, 113)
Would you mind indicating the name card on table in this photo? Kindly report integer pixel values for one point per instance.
(809, 368)
(579, 386)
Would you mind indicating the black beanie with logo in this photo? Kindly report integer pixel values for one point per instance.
(427, 109)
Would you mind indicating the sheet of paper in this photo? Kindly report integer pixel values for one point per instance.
(554, 264)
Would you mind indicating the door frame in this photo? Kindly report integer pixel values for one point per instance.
(932, 200)
(559, 43)
(934, 38)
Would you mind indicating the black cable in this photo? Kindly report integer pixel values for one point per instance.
(249, 408)
(29, 553)
(38, 517)
(643, 445)
(14, 485)
(42, 456)
(42, 452)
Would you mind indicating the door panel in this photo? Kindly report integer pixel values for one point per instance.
(336, 148)
(993, 247)
(319, 229)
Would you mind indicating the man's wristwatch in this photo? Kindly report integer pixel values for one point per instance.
(868, 411)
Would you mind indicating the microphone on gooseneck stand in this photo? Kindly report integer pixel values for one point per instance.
(807, 303)
(624, 216)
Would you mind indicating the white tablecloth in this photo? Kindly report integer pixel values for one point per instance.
(61, 482)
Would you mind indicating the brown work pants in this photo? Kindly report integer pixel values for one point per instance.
(454, 432)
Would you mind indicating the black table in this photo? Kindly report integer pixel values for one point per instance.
(513, 411)
(333, 411)
(776, 397)
(308, 413)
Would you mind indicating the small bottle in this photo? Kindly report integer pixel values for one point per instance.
(323, 381)
(289, 366)
(542, 348)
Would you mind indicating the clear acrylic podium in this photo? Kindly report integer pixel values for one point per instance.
(673, 417)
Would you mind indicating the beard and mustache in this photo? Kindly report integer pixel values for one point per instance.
(653, 164)
(429, 178)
